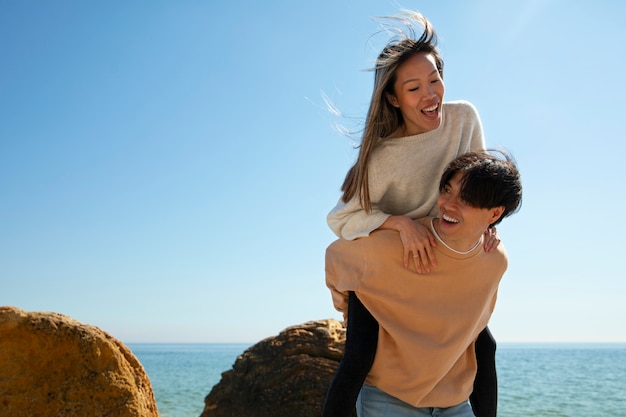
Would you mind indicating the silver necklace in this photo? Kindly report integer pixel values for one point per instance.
(432, 226)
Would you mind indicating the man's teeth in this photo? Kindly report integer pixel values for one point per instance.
(449, 219)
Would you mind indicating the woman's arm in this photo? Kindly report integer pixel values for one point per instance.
(350, 221)
(417, 242)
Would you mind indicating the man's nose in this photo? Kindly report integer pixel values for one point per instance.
(450, 202)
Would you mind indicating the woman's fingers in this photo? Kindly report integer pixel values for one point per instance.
(491, 239)
(424, 259)
(418, 263)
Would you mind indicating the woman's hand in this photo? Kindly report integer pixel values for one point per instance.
(491, 239)
(417, 242)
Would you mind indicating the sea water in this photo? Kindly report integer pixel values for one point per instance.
(539, 380)
(564, 380)
(183, 374)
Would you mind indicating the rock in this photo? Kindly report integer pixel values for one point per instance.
(282, 376)
(52, 365)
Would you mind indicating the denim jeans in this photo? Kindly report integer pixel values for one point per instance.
(373, 402)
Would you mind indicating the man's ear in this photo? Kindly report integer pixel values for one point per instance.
(496, 213)
(392, 99)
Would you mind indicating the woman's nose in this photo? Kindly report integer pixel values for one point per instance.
(430, 91)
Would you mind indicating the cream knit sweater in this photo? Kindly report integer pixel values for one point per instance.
(404, 172)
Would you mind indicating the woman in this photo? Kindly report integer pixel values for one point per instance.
(410, 135)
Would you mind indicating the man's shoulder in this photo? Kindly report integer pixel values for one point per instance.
(501, 254)
(379, 240)
(496, 260)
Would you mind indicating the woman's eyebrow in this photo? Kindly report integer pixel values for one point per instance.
(417, 78)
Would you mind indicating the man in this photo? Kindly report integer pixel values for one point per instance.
(425, 357)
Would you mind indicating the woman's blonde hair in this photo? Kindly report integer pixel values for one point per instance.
(383, 119)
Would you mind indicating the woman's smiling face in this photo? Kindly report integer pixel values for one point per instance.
(418, 93)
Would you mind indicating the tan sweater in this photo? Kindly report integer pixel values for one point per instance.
(428, 322)
(404, 172)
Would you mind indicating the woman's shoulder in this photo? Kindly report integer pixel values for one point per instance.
(460, 106)
(460, 112)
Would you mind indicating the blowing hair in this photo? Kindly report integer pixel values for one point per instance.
(383, 119)
(488, 181)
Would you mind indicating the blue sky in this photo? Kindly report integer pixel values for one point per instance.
(166, 167)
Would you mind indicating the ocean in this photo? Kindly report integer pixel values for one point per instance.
(538, 380)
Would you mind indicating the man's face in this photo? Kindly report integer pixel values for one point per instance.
(460, 224)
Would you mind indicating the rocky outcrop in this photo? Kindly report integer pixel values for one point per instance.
(52, 365)
(282, 376)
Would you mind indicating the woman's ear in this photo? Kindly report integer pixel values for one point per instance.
(392, 99)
